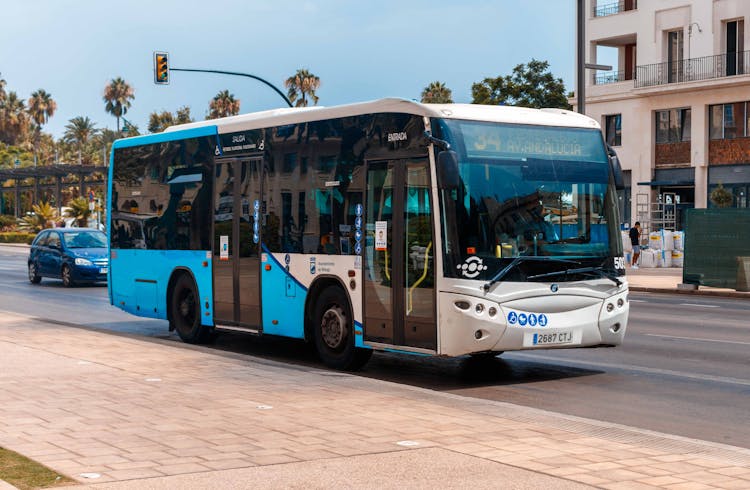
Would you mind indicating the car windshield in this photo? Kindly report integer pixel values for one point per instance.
(527, 191)
(85, 239)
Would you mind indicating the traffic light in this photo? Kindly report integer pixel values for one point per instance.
(161, 68)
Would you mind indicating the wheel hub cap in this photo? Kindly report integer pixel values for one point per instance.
(333, 327)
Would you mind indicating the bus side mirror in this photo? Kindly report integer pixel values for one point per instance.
(614, 164)
(447, 162)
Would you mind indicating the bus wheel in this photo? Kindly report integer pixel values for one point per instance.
(334, 333)
(186, 311)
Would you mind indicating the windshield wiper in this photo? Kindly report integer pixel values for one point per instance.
(521, 258)
(598, 271)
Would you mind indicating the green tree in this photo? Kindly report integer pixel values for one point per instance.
(43, 216)
(531, 85)
(301, 88)
(223, 105)
(78, 209)
(720, 197)
(158, 122)
(437, 93)
(118, 95)
(41, 107)
(14, 120)
(79, 131)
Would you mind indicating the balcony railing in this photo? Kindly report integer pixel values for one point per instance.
(613, 8)
(694, 69)
(611, 77)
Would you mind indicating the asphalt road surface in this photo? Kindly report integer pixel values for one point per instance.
(684, 368)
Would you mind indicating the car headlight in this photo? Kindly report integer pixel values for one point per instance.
(80, 261)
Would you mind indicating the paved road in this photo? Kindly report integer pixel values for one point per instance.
(685, 367)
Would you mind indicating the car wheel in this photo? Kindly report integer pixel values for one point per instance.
(34, 276)
(67, 276)
(334, 333)
(185, 312)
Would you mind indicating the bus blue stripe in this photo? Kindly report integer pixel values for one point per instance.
(149, 139)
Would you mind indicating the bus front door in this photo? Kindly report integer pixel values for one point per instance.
(399, 275)
(236, 258)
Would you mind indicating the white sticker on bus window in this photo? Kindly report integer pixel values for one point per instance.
(381, 235)
(224, 247)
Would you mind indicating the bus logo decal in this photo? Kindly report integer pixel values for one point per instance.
(312, 265)
(472, 267)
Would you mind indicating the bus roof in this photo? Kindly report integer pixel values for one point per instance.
(290, 115)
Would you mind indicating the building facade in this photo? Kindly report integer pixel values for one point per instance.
(676, 106)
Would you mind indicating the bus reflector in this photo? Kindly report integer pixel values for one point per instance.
(471, 250)
(351, 273)
(268, 267)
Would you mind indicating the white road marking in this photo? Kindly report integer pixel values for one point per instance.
(702, 306)
(698, 339)
(637, 300)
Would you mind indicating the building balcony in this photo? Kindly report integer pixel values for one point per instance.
(613, 8)
(605, 78)
(693, 69)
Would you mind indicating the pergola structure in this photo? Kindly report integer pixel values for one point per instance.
(48, 178)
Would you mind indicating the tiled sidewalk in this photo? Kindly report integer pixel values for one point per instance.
(131, 409)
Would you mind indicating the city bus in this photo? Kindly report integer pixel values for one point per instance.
(391, 225)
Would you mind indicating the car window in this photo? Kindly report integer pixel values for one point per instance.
(53, 240)
(85, 239)
(41, 239)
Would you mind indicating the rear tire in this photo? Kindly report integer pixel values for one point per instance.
(334, 332)
(185, 312)
(34, 276)
(67, 276)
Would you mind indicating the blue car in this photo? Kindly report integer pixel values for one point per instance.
(75, 255)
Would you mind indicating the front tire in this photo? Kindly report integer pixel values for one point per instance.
(34, 276)
(185, 311)
(67, 276)
(334, 333)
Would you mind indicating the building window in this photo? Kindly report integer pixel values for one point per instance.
(673, 125)
(728, 121)
(613, 129)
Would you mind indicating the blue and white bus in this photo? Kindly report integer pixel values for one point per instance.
(389, 225)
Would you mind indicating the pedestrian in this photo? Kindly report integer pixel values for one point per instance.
(635, 240)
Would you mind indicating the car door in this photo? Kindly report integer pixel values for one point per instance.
(53, 255)
(37, 250)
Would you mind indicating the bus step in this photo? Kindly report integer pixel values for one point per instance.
(237, 328)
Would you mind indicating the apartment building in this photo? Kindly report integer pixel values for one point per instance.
(676, 106)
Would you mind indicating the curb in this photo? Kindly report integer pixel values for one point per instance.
(695, 292)
(4, 485)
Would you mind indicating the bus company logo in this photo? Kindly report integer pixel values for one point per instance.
(240, 138)
(554, 288)
(394, 137)
(312, 265)
(472, 267)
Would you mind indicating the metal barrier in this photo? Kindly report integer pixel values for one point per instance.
(613, 7)
(693, 69)
(717, 248)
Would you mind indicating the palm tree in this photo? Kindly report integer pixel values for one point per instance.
(78, 208)
(14, 120)
(118, 95)
(301, 86)
(223, 105)
(41, 107)
(437, 93)
(43, 217)
(79, 132)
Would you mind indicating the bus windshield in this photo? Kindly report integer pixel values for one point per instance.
(527, 191)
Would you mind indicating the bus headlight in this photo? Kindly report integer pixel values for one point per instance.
(620, 302)
(479, 308)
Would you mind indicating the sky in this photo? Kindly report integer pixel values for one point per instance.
(361, 49)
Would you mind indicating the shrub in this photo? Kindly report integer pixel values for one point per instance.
(7, 222)
(17, 237)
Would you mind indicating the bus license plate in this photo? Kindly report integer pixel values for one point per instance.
(552, 338)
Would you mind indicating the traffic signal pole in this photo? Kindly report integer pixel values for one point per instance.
(235, 73)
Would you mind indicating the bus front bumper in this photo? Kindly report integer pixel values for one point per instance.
(470, 324)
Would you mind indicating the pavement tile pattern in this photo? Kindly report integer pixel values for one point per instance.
(131, 409)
